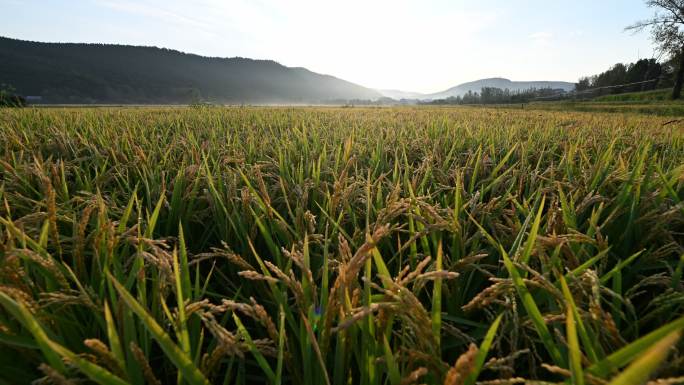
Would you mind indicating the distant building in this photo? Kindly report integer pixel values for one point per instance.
(33, 99)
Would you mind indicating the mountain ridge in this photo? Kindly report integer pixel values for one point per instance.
(116, 73)
(477, 85)
(126, 74)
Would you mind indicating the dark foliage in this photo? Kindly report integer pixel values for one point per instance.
(8, 98)
(649, 74)
(666, 32)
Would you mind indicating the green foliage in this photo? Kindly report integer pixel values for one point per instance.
(645, 96)
(657, 108)
(339, 245)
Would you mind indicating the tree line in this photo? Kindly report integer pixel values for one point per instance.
(494, 95)
(666, 28)
(667, 35)
(643, 75)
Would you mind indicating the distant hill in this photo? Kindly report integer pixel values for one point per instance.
(502, 83)
(398, 94)
(103, 73)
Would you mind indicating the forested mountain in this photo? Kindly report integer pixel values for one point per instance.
(103, 73)
(501, 83)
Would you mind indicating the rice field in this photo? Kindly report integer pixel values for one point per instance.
(391, 246)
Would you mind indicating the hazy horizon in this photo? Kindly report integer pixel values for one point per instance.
(416, 47)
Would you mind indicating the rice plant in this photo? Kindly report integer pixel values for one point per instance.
(454, 246)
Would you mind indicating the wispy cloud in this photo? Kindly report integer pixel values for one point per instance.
(542, 38)
(160, 12)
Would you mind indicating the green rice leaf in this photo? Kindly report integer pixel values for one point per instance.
(640, 370)
(180, 359)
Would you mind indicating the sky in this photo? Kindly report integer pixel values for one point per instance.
(420, 46)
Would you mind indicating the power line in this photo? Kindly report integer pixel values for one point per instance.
(592, 90)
